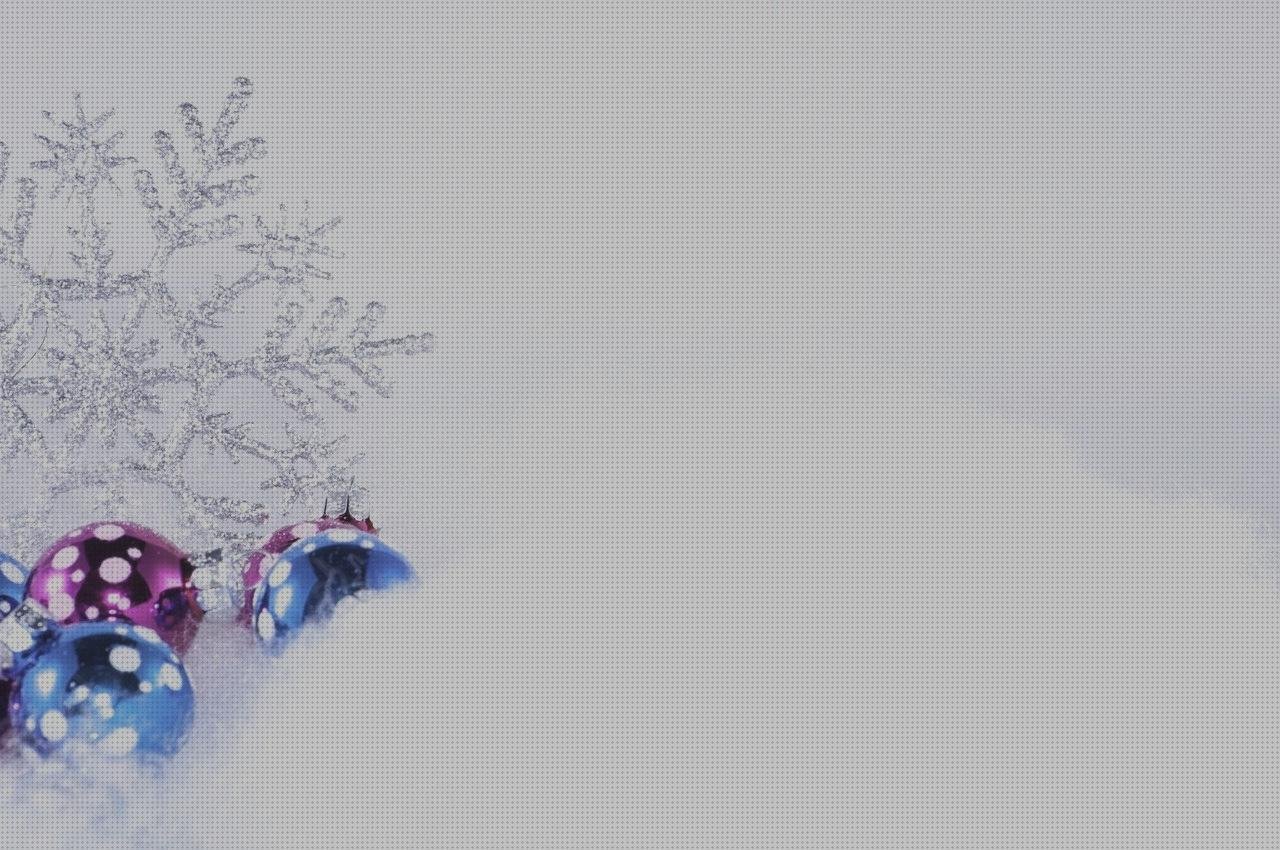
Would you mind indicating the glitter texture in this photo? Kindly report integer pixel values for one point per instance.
(113, 380)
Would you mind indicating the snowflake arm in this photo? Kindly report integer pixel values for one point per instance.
(81, 160)
(13, 239)
(323, 347)
(175, 224)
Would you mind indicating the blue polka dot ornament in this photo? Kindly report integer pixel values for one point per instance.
(115, 687)
(311, 576)
(13, 583)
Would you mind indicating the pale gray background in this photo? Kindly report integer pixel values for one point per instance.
(851, 424)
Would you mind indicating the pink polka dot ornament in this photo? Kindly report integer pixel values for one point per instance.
(262, 558)
(119, 571)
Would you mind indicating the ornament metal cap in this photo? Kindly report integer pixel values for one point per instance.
(22, 629)
(346, 516)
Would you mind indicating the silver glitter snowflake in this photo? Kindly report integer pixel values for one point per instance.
(118, 384)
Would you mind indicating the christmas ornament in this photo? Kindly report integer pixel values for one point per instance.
(117, 387)
(119, 571)
(116, 686)
(265, 555)
(312, 575)
(13, 583)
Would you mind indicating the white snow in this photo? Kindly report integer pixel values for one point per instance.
(119, 741)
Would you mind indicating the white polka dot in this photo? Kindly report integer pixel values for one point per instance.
(53, 725)
(145, 687)
(5, 605)
(343, 535)
(305, 529)
(108, 532)
(121, 630)
(61, 606)
(170, 676)
(77, 576)
(266, 625)
(79, 695)
(115, 570)
(120, 742)
(31, 724)
(45, 680)
(65, 557)
(308, 548)
(12, 572)
(280, 600)
(367, 543)
(92, 612)
(126, 659)
(135, 552)
(149, 634)
(102, 702)
(279, 573)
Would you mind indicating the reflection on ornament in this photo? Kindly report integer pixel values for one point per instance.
(260, 561)
(312, 575)
(13, 583)
(120, 572)
(115, 686)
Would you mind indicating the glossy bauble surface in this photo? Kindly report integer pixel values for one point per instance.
(13, 583)
(262, 558)
(115, 686)
(119, 572)
(314, 574)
